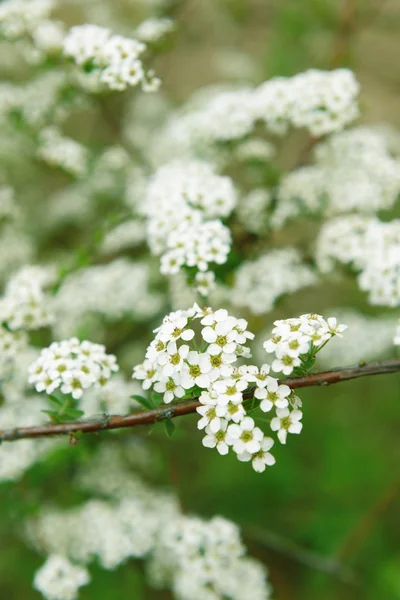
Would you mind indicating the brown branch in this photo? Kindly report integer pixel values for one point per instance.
(279, 544)
(149, 417)
(346, 27)
(367, 522)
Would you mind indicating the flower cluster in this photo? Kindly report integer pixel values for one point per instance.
(114, 58)
(22, 17)
(182, 203)
(179, 366)
(321, 101)
(259, 283)
(130, 520)
(25, 304)
(354, 171)
(175, 365)
(114, 290)
(11, 343)
(200, 559)
(72, 367)
(294, 339)
(59, 579)
(370, 246)
(63, 152)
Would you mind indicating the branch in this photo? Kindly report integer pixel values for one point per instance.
(149, 417)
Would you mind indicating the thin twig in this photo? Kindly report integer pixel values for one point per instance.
(277, 543)
(366, 523)
(149, 417)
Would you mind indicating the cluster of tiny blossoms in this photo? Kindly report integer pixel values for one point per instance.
(354, 172)
(25, 305)
(321, 101)
(177, 366)
(183, 202)
(294, 339)
(129, 520)
(113, 57)
(71, 366)
(370, 246)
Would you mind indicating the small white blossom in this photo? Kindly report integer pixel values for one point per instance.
(286, 422)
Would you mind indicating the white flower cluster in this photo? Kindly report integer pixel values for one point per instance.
(380, 275)
(11, 344)
(294, 339)
(59, 579)
(179, 366)
(21, 17)
(20, 410)
(71, 366)
(259, 283)
(372, 247)
(113, 57)
(354, 171)
(173, 365)
(371, 338)
(114, 290)
(25, 305)
(205, 559)
(59, 151)
(194, 558)
(321, 101)
(182, 202)
(16, 249)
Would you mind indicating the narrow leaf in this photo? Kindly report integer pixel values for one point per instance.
(169, 427)
(145, 402)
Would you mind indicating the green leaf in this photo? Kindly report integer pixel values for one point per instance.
(169, 427)
(73, 413)
(54, 416)
(54, 400)
(143, 401)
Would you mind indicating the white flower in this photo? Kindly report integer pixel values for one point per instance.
(147, 372)
(218, 439)
(221, 337)
(285, 364)
(170, 388)
(231, 411)
(59, 579)
(175, 329)
(230, 390)
(75, 382)
(273, 395)
(172, 361)
(262, 458)
(209, 414)
(334, 327)
(195, 371)
(286, 422)
(245, 436)
(260, 376)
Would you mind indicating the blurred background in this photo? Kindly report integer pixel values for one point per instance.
(326, 518)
